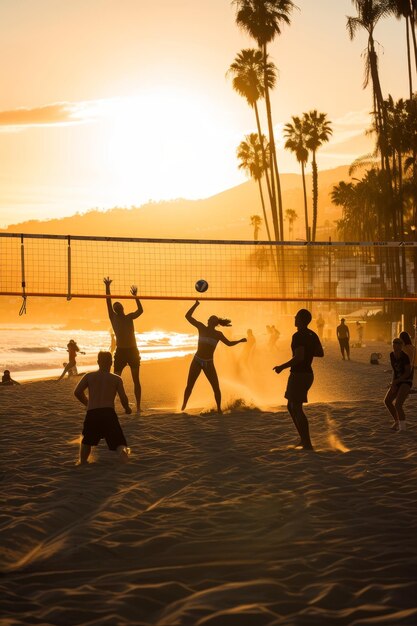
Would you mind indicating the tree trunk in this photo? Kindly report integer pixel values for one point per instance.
(305, 198)
(274, 169)
(264, 162)
(410, 78)
(315, 195)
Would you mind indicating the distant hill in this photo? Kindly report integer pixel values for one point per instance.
(223, 216)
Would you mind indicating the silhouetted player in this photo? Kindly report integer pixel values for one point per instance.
(208, 338)
(101, 420)
(305, 345)
(127, 352)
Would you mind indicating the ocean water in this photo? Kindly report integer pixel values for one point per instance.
(31, 352)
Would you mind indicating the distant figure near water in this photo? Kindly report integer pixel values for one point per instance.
(127, 352)
(305, 345)
(208, 338)
(402, 381)
(112, 342)
(6, 379)
(101, 420)
(71, 366)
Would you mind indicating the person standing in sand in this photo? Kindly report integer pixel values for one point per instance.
(402, 381)
(127, 352)
(305, 345)
(320, 326)
(101, 420)
(208, 338)
(343, 335)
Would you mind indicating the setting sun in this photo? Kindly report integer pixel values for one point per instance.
(161, 144)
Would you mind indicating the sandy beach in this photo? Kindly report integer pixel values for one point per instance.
(216, 520)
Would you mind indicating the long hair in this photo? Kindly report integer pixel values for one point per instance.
(224, 322)
(219, 321)
(405, 338)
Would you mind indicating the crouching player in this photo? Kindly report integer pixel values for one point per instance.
(101, 420)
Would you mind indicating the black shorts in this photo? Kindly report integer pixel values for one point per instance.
(126, 356)
(298, 385)
(103, 423)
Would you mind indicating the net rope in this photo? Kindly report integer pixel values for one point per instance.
(74, 267)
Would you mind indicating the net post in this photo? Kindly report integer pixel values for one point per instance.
(69, 296)
(22, 267)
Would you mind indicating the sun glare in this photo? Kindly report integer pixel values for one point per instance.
(162, 144)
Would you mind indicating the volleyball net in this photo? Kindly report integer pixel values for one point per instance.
(167, 269)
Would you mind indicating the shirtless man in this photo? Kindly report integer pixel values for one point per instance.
(127, 352)
(305, 345)
(101, 420)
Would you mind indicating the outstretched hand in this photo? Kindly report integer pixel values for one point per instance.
(107, 281)
(278, 369)
(134, 290)
(244, 340)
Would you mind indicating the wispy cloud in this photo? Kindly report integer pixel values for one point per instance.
(60, 113)
(352, 124)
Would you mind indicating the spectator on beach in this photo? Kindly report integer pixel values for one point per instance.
(402, 381)
(127, 352)
(71, 366)
(6, 379)
(343, 335)
(408, 347)
(305, 345)
(359, 330)
(274, 335)
(208, 338)
(320, 326)
(101, 421)
(249, 347)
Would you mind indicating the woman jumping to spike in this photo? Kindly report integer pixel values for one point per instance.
(208, 338)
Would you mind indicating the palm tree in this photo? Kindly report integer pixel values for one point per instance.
(296, 142)
(369, 13)
(255, 222)
(318, 131)
(403, 8)
(262, 19)
(248, 81)
(291, 216)
(249, 153)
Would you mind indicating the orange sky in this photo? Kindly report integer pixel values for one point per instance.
(114, 102)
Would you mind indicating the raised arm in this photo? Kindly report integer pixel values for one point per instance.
(139, 311)
(107, 281)
(123, 397)
(79, 391)
(189, 315)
